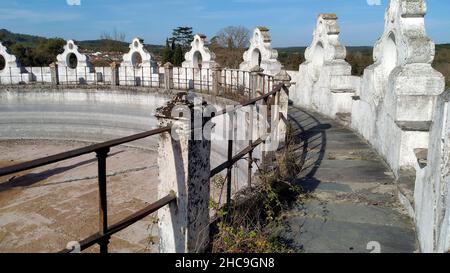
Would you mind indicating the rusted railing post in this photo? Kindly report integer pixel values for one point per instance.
(283, 104)
(54, 73)
(216, 75)
(230, 154)
(168, 76)
(184, 167)
(103, 203)
(115, 74)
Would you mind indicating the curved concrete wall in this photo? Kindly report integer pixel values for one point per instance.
(83, 115)
(94, 115)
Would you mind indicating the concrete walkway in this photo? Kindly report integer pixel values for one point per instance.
(352, 204)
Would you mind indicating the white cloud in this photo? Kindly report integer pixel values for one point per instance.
(73, 2)
(33, 16)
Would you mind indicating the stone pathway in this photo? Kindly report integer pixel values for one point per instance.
(352, 204)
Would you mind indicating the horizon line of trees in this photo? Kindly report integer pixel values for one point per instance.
(177, 45)
(43, 54)
(228, 44)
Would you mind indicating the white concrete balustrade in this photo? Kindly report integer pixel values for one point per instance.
(394, 106)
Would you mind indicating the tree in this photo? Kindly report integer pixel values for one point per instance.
(46, 51)
(177, 45)
(233, 37)
(115, 36)
(359, 60)
(113, 42)
(178, 57)
(442, 62)
(291, 60)
(167, 54)
(2, 37)
(22, 53)
(230, 44)
(183, 36)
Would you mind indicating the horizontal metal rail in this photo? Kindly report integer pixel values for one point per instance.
(78, 152)
(102, 149)
(275, 90)
(236, 158)
(232, 160)
(130, 220)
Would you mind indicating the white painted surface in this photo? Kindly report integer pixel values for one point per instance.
(199, 57)
(261, 53)
(83, 71)
(12, 72)
(324, 81)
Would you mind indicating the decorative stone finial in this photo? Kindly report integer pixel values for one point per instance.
(168, 65)
(404, 39)
(326, 81)
(283, 77)
(256, 69)
(137, 56)
(216, 66)
(12, 72)
(325, 46)
(114, 65)
(10, 60)
(199, 56)
(72, 53)
(261, 53)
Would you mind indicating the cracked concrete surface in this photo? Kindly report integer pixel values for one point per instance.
(43, 209)
(351, 199)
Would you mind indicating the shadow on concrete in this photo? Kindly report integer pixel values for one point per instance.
(30, 179)
(310, 140)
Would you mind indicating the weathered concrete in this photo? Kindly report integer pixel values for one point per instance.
(184, 168)
(352, 200)
(326, 84)
(80, 71)
(400, 87)
(261, 53)
(43, 209)
(431, 192)
(76, 114)
(138, 67)
(199, 56)
(393, 106)
(12, 72)
(282, 103)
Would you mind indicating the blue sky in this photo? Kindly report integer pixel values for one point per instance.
(291, 21)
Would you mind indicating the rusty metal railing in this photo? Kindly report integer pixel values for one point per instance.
(101, 150)
(233, 159)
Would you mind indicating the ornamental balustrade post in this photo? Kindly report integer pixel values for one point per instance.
(54, 73)
(168, 76)
(255, 73)
(216, 75)
(282, 99)
(184, 167)
(115, 74)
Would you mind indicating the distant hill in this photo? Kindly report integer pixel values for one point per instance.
(99, 45)
(443, 46)
(24, 39)
(301, 49)
(36, 51)
(91, 45)
(293, 49)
